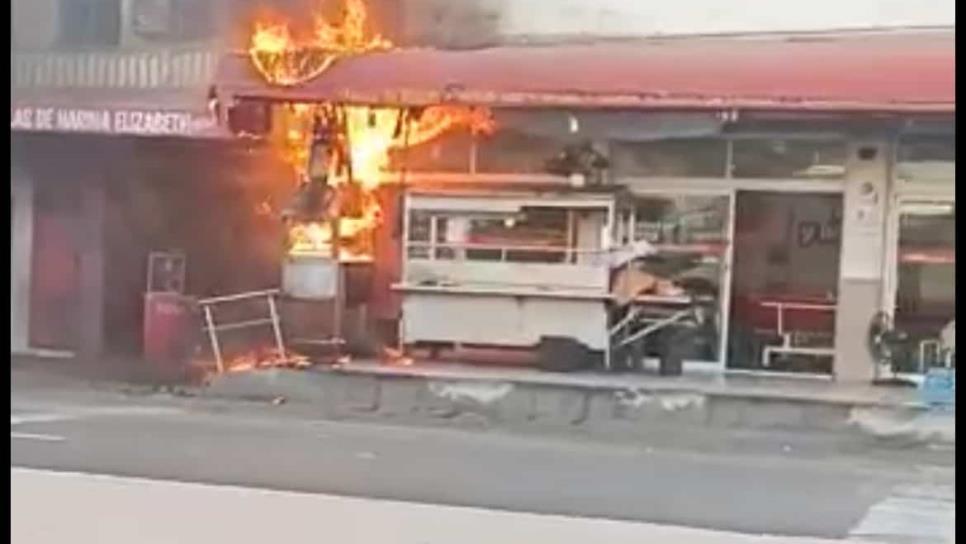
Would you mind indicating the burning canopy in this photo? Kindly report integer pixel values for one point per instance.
(345, 64)
(841, 72)
(341, 152)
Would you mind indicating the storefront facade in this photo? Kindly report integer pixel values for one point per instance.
(786, 186)
(801, 229)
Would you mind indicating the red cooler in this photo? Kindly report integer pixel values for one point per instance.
(171, 332)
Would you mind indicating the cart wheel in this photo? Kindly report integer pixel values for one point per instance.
(635, 360)
(674, 350)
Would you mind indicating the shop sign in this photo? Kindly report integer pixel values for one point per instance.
(811, 233)
(111, 121)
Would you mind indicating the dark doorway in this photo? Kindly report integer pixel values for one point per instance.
(785, 281)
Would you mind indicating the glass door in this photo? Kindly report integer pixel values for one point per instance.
(787, 248)
(923, 280)
(691, 231)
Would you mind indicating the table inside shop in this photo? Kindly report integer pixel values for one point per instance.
(788, 345)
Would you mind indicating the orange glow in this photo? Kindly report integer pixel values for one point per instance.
(265, 357)
(370, 133)
(396, 357)
(355, 236)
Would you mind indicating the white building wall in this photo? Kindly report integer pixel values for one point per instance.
(641, 18)
(21, 248)
(863, 258)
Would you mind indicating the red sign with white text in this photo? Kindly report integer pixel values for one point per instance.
(136, 122)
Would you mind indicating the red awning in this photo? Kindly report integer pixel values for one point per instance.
(908, 71)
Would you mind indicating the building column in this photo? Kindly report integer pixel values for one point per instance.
(863, 256)
(21, 257)
(91, 250)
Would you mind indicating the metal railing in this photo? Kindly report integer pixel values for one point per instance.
(458, 251)
(207, 306)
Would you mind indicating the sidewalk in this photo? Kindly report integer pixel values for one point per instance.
(608, 404)
(746, 386)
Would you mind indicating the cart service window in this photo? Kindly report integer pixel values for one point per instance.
(420, 226)
(539, 235)
(533, 235)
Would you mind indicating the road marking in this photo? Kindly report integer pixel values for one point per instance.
(38, 415)
(40, 437)
(911, 513)
(37, 418)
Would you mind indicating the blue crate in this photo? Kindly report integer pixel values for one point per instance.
(939, 387)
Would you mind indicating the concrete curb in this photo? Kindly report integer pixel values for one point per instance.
(599, 409)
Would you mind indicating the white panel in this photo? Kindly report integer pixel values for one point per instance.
(639, 18)
(863, 225)
(502, 320)
(22, 201)
(155, 69)
(310, 277)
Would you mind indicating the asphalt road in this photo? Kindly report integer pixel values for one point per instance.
(115, 510)
(284, 448)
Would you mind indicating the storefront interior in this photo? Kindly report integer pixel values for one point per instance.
(785, 281)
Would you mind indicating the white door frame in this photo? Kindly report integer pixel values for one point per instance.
(674, 188)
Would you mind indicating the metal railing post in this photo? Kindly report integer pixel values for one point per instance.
(276, 326)
(213, 336)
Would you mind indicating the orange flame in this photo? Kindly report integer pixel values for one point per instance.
(265, 357)
(371, 133)
(284, 60)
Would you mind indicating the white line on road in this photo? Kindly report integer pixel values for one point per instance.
(37, 418)
(40, 437)
(911, 513)
(208, 513)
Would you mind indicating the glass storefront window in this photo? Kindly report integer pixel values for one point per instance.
(696, 158)
(514, 151)
(927, 159)
(449, 153)
(926, 290)
(775, 158)
(927, 149)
